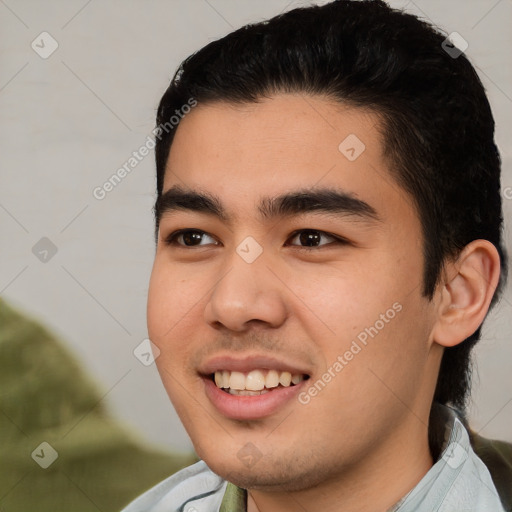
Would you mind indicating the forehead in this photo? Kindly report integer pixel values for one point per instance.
(247, 151)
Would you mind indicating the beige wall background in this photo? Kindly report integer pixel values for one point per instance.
(69, 120)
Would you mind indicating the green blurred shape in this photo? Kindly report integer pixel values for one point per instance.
(45, 396)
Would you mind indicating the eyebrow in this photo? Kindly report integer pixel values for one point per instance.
(297, 202)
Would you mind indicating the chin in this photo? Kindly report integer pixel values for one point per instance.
(265, 475)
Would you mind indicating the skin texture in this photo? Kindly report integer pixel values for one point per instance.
(362, 440)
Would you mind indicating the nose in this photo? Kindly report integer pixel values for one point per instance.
(247, 294)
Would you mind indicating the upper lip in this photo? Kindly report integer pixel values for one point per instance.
(248, 363)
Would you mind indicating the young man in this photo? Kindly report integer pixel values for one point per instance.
(328, 245)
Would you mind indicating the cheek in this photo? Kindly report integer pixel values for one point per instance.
(339, 301)
(174, 316)
(172, 298)
(392, 365)
(372, 372)
(378, 316)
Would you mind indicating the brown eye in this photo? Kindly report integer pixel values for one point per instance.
(188, 238)
(312, 238)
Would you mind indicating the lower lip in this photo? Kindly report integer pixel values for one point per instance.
(250, 407)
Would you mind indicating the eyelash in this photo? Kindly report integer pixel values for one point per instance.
(171, 239)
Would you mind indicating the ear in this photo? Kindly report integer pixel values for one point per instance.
(465, 292)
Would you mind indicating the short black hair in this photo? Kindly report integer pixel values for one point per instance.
(436, 122)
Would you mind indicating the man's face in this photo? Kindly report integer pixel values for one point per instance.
(326, 289)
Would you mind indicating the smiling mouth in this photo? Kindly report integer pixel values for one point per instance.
(255, 382)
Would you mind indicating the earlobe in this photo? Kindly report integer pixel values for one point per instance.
(465, 293)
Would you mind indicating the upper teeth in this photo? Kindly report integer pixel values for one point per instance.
(255, 380)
